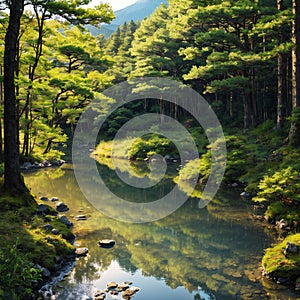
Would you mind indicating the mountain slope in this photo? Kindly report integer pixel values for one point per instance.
(135, 12)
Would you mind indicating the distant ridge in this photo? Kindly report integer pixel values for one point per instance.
(137, 11)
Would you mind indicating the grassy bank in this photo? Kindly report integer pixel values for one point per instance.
(29, 253)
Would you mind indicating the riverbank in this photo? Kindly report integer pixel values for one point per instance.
(37, 246)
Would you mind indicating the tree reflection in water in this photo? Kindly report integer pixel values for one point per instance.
(214, 253)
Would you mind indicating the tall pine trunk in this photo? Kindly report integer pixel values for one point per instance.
(1, 126)
(294, 136)
(12, 175)
(281, 76)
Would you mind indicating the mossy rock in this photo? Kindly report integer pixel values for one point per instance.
(276, 264)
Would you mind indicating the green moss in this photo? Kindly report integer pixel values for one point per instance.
(21, 229)
(278, 265)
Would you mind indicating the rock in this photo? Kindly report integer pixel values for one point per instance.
(54, 199)
(245, 194)
(61, 207)
(65, 221)
(112, 285)
(47, 227)
(290, 248)
(26, 166)
(45, 272)
(127, 282)
(99, 295)
(81, 252)
(123, 286)
(106, 243)
(168, 158)
(42, 209)
(281, 224)
(80, 218)
(135, 289)
(235, 184)
(59, 162)
(47, 295)
(43, 198)
(45, 164)
(55, 231)
(130, 292)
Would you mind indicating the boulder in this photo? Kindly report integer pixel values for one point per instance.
(80, 218)
(65, 221)
(99, 295)
(55, 231)
(43, 209)
(47, 295)
(43, 198)
(290, 248)
(112, 285)
(129, 293)
(59, 162)
(36, 165)
(245, 194)
(81, 252)
(106, 243)
(123, 286)
(54, 199)
(45, 164)
(47, 227)
(61, 207)
(235, 184)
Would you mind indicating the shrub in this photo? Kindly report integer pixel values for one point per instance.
(17, 274)
(282, 185)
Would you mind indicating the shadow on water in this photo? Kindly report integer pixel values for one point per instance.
(210, 253)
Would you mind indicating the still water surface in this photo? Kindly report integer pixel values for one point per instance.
(210, 253)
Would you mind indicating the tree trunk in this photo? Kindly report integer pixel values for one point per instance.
(294, 136)
(1, 133)
(281, 77)
(282, 89)
(12, 175)
(249, 117)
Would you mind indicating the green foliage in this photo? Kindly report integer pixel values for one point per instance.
(149, 145)
(237, 159)
(279, 210)
(17, 273)
(282, 185)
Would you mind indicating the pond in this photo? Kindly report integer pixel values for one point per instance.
(209, 253)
